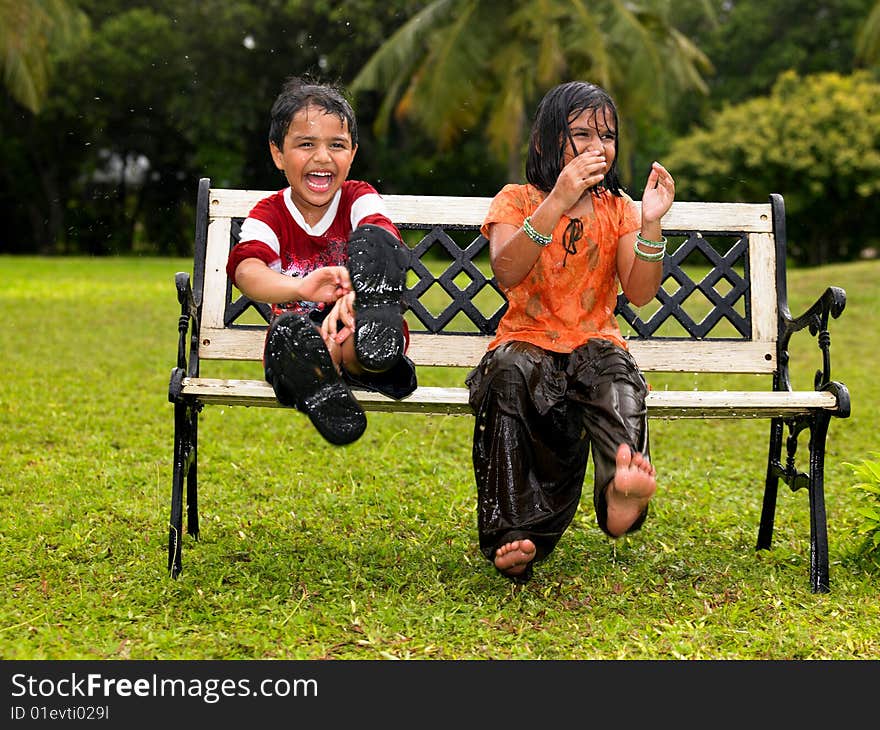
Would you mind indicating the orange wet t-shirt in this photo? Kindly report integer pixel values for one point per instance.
(559, 307)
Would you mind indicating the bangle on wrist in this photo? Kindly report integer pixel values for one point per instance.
(538, 238)
(653, 244)
(655, 256)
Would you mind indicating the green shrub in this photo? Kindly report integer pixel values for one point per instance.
(869, 488)
(816, 140)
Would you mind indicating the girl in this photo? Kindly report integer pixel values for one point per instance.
(557, 380)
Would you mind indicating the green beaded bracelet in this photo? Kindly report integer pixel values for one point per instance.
(538, 238)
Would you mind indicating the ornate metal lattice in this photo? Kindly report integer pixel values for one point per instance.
(235, 308)
(459, 269)
(730, 269)
(438, 260)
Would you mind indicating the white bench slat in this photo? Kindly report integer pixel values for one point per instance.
(762, 265)
(426, 399)
(676, 356)
(431, 210)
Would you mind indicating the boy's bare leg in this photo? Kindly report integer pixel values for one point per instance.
(343, 355)
(629, 492)
(512, 558)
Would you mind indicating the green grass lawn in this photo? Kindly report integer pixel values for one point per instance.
(309, 551)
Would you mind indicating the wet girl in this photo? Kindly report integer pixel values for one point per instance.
(557, 381)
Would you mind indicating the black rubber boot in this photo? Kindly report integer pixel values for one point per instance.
(377, 263)
(302, 374)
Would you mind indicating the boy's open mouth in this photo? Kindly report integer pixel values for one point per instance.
(319, 182)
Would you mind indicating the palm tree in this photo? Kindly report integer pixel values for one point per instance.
(868, 39)
(462, 63)
(31, 33)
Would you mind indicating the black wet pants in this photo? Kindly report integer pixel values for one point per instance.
(538, 416)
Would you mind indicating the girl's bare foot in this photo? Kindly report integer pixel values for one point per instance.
(513, 558)
(630, 491)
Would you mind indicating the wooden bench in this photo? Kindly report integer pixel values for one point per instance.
(721, 309)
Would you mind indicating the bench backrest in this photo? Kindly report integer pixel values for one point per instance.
(716, 311)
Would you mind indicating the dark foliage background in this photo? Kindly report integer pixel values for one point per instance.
(154, 95)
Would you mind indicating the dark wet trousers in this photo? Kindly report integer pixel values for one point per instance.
(539, 415)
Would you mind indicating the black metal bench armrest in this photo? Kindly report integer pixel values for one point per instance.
(187, 324)
(815, 319)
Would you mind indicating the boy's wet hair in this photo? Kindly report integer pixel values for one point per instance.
(298, 93)
(551, 132)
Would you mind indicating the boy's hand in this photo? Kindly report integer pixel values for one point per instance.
(343, 311)
(326, 284)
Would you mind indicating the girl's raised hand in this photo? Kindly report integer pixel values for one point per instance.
(659, 193)
(581, 173)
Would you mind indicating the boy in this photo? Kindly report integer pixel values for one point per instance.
(325, 255)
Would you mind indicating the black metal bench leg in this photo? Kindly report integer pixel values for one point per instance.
(814, 482)
(819, 578)
(771, 486)
(185, 447)
(192, 479)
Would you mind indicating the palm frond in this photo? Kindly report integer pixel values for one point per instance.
(401, 53)
(461, 64)
(644, 65)
(591, 57)
(688, 63)
(516, 89)
(868, 38)
(451, 91)
(32, 32)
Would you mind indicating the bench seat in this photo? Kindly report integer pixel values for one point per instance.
(447, 401)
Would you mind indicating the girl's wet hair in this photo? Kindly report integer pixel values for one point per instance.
(551, 132)
(298, 93)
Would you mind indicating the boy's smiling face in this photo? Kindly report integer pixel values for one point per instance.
(316, 158)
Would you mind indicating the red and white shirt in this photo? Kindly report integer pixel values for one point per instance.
(276, 232)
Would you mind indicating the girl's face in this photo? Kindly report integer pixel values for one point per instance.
(592, 132)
